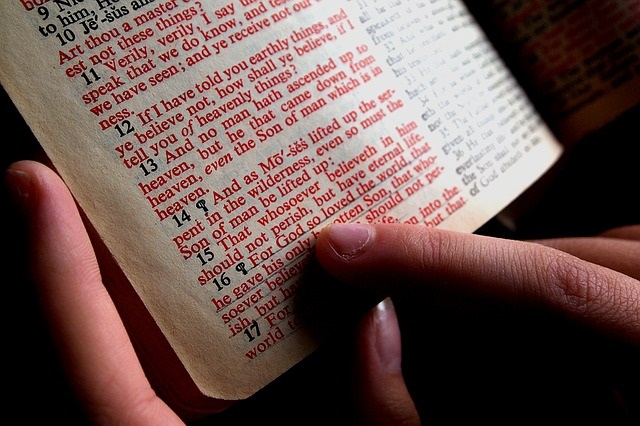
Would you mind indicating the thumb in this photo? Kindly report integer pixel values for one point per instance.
(382, 394)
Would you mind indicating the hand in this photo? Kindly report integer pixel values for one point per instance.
(592, 283)
(98, 355)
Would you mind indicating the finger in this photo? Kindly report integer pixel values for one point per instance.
(616, 253)
(95, 347)
(383, 395)
(404, 258)
(629, 232)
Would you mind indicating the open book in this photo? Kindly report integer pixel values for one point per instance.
(209, 142)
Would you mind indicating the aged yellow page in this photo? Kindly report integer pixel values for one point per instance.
(209, 142)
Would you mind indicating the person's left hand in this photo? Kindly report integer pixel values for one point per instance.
(98, 355)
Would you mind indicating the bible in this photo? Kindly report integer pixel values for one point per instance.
(208, 143)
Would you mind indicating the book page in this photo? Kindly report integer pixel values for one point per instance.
(209, 142)
(579, 60)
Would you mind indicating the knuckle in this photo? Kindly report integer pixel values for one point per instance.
(429, 251)
(581, 288)
(571, 284)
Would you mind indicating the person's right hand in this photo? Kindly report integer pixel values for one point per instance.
(594, 281)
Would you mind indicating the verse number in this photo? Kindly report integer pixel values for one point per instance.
(44, 12)
(66, 36)
(206, 256)
(149, 167)
(223, 282)
(182, 218)
(253, 331)
(91, 77)
(124, 128)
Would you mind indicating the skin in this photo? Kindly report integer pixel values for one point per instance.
(97, 353)
(594, 281)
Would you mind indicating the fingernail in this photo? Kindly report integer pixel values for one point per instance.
(349, 240)
(387, 335)
(21, 186)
